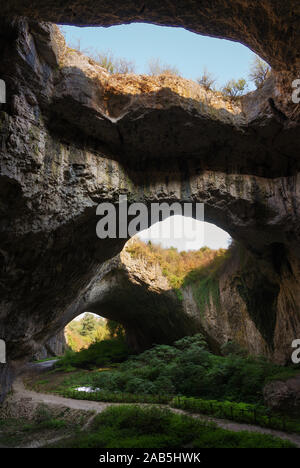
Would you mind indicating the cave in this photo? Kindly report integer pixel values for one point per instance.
(73, 137)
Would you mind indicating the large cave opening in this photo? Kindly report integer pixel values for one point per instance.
(146, 287)
(75, 134)
(162, 48)
(83, 330)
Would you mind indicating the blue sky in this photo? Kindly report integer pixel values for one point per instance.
(190, 53)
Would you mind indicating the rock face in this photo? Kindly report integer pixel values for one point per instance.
(55, 346)
(137, 295)
(73, 136)
(135, 292)
(284, 396)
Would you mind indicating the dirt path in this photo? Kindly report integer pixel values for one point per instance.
(20, 392)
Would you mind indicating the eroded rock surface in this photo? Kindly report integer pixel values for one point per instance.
(55, 346)
(137, 295)
(284, 396)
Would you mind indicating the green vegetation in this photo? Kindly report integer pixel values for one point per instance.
(241, 412)
(187, 368)
(99, 353)
(176, 266)
(44, 424)
(200, 269)
(131, 426)
(234, 89)
(81, 333)
(188, 376)
(115, 397)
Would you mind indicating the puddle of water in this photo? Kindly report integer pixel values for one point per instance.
(87, 389)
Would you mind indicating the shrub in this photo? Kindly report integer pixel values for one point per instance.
(207, 80)
(234, 89)
(231, 347)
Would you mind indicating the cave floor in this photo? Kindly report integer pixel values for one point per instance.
(68, 416)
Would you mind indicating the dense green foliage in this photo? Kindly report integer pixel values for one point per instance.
(186, 368)
(99, 353)
(131, 426)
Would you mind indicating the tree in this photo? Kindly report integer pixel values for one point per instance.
(101, 333)
(234, 89)
(207, 80)
(89, 324)
(156, 67)
(259, 72)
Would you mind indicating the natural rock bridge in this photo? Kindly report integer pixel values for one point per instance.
(73, 136)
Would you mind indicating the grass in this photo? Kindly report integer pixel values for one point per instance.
(17, 432)
(151, 427)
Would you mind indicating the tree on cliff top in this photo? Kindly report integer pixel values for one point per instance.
(259, 72)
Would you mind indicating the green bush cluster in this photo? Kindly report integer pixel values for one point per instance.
(99, 353)
(186, 368)
(151, 427)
